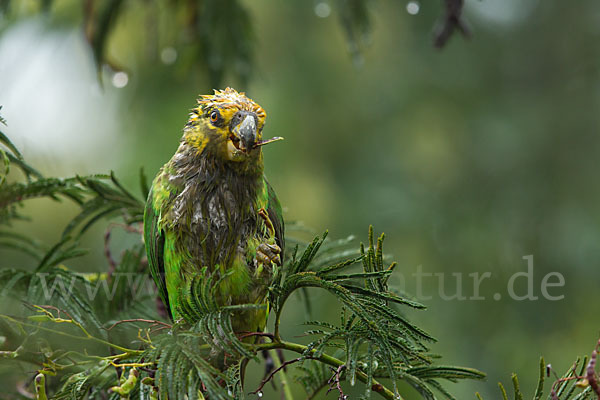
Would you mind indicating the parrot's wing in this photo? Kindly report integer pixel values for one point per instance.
(276, 216)
(155, 245)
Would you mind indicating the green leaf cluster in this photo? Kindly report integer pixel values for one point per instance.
(572, 385)
(216, 36)
(375, 339)
(99, 335)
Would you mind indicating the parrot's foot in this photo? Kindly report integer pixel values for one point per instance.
(268, 253)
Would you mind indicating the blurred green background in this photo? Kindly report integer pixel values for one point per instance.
(469, 158)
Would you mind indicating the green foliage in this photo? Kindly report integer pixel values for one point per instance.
(571, 386)
(119, 344)
(114, 350)
(215, 35)
(98, 196)
(376, 339)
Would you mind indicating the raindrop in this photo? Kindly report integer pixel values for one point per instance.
(168, 55)
(413, 7)
(322, 10)
(120, 79)
(259, 394)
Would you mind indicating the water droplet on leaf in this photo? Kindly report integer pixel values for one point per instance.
(120, 79)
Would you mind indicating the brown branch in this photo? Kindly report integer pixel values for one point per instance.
(590, 372)
(589, 379)
(276, 370)
(58, 310)
(334, 382)
(450, 22)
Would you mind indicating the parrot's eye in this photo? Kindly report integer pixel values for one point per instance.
(214, 116)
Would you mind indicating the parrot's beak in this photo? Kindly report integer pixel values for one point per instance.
(244, 134)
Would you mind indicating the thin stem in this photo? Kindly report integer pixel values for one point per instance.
(149, 321)
(376, 386)
(136, 365)
(334, 382)
(282, 376)
(280, 367)
(277, 336)
(87, 337)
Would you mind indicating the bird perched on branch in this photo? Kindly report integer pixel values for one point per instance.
(212, 212)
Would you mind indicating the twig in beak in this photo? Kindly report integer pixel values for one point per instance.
(263, 142)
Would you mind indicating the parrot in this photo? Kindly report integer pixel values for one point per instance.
(211, 211)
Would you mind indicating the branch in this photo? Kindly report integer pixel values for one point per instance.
(87, 336)
(334, 382)
(450, 22)
(276, 370)
(150, 321)
(329, 360)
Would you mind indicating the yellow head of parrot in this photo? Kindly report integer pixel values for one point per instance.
(229, 124)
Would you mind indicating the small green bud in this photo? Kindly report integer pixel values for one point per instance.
(127, 386)
(147, 381)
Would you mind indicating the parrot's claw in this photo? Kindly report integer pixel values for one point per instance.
(268, 253)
